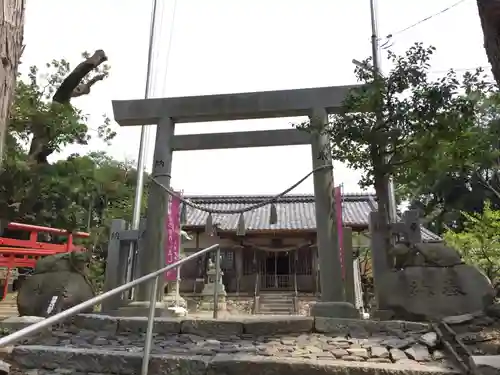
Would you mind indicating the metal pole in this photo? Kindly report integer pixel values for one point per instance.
(377, 71)
(149, 330)
(139, 187)
(217, 279)
(177, 286)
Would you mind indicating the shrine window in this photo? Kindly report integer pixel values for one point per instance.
(227, 261)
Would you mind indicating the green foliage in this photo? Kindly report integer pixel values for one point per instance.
(31, 189)
(421, 119)
(479, 242)
(422, 132)
(96, 273)
(81, 192)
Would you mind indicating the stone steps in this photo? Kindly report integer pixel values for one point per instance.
(282, 345)
(276, 304)
(95, 362)
(275, 311)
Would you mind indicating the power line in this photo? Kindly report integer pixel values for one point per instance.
(169, 48)
(391, 35)
(458, 70)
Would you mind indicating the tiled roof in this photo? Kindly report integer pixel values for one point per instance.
(295, 212)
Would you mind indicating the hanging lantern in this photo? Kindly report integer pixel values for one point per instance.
(273, 214)
(240, 230)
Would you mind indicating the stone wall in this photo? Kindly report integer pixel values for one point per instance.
(243, 305)
(235, 305)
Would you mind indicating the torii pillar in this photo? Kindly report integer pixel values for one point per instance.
(313, 102)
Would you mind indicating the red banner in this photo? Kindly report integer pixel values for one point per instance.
(172, 239)
(340, 231)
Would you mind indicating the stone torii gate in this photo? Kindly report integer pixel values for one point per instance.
(316, 103)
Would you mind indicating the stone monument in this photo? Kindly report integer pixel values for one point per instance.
(431, 282)
(207, 294)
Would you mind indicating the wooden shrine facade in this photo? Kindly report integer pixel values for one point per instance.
(273, 257)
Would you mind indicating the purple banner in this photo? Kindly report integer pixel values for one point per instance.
(340, 231)
(172, 239)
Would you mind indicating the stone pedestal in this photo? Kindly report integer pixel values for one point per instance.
(207, 294)
(141, 308)
(171, 298)
(335, 310)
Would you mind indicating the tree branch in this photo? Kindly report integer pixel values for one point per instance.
(72, 86)
(84, 88)
(488, 185)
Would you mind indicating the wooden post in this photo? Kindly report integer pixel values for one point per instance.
(349, 266)
(256, 266)
(295, 262)
(315, 269)
(238, 258)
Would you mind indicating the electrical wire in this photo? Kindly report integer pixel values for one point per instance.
(153, 87)
(156, 50)
(391, 35)
(169, 48)
(458, 70)
(164, 75)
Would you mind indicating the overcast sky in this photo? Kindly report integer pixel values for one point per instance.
(229, 46)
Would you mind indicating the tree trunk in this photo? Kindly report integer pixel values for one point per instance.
(489, 13)
(11, 47)
(381, 185)
(382, 193)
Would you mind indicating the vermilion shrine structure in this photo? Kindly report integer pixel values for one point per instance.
(316, 103)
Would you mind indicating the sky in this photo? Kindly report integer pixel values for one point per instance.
(205, 47)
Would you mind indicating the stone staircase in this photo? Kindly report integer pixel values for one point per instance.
(8, 307)
(288, 345)
(276, 303)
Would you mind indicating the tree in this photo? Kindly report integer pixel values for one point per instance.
(489, 14)
(81, 192)
(420, 121)
(44, 121)
(11, 47)
(479, 242)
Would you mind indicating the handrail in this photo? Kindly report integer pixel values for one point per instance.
(36, 327)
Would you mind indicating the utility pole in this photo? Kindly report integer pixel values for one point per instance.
(139, 188)
(377, 75)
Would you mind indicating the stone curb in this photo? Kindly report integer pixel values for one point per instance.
(112, 362)
(254, 325)
(359, 327)
(259, 325)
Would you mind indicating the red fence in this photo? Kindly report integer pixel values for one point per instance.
(16, 253)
